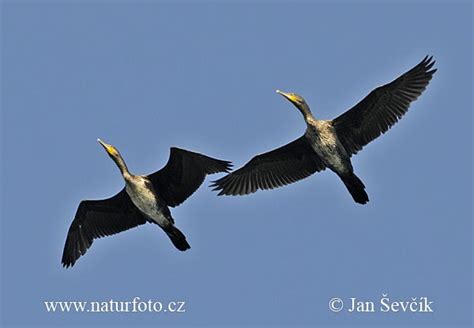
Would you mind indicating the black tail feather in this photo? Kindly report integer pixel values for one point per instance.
(177, 238)
(356, 187)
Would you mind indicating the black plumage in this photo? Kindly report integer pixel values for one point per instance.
(287, 164)
(382, 108)
(99, 218)
(183, 174)
(331, 143)
(172, 185)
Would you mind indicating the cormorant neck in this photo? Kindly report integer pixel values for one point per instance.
(121, 165)
(304, 109)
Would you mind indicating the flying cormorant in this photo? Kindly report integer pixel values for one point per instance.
(145, 198)
(331, 143)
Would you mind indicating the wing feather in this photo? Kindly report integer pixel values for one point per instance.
(279, 167)
(183, 174)
(382, 108)
(98, 218)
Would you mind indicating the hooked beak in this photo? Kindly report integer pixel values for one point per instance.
(107, 147)
(286, 95)
(102, 143)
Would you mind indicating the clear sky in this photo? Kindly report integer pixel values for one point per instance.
(148, 75)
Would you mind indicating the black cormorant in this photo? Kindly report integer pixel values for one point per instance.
(145, 198)
(331, 143)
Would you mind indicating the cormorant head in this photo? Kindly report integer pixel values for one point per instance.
(111, 150)
(296, 100)
(115, 155)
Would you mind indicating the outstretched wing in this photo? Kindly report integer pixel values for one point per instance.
(279, 167)
(382, 108)
(99, 218)
(183, 174)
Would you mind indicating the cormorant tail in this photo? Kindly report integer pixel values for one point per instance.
(356, 188)
(177, 238)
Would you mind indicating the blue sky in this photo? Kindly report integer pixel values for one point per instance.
(145, 76)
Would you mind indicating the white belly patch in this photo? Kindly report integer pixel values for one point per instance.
(325, 144)
(144, 199)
